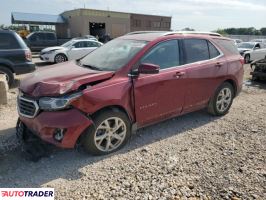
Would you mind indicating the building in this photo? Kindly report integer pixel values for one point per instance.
(80, 22)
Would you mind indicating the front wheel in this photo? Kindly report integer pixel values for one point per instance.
(110, 132)
(59, 58)
(221, 102)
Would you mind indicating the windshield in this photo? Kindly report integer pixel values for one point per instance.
(113, 55)
(67, 44)
(246, 45)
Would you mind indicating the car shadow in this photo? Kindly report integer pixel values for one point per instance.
(259, 84)
(15, 171)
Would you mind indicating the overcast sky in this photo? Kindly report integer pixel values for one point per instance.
(204, 15)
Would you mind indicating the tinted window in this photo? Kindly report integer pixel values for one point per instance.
(165, 55)
(228, 45)
(79, 44)
(50, 36)
(8, 41)
(40, 36)
(91, 44)
(196, 50)
(213, 51)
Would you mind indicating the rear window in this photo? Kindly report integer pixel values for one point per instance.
(50, 36)
(196, 50)
(213, 51)
(8, 41)
(228, 45)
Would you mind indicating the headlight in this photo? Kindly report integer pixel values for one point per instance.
(53, 103)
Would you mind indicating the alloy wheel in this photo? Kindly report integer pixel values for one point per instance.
(224, 99)
(110, 134)
(60, 58)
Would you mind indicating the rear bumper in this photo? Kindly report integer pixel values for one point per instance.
(44, 125)
(24, 68)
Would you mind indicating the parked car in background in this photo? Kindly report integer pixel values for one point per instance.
(39, 40)
(130, 82)
(256, 54)
(248, 46)
(237, 41)
(258, 40)
(15, 56)
(91, 37)
(71, 50)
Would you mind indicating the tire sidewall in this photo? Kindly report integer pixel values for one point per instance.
(88, 138)
(224, 85)
(60, 54)
(9, 73)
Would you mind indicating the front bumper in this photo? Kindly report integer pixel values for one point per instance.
(47, 57)
(44, 125)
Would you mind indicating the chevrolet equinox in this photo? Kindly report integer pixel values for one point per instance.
(131, 82)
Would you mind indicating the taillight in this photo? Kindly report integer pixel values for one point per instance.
(28, 55)
(242, 60)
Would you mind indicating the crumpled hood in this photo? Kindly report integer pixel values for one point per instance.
(59, 79)
(52, 49)
(243, 50)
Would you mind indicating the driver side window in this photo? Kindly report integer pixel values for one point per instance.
(165, 54)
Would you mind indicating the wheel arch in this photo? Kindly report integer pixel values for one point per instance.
(233, 83)
(7, 66)
(114, 108)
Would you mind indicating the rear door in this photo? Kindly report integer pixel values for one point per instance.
(160, 96)
(206, 66)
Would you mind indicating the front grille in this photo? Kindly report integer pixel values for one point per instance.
(27, 107)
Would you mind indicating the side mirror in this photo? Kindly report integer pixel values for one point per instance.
(148, 68)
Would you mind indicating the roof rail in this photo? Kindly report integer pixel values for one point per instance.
(143, 32)
(193, 32)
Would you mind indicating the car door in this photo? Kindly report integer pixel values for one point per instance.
(205, 67)
(77, 50)
(160, 96)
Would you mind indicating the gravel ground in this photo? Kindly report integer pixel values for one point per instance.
(195, 156)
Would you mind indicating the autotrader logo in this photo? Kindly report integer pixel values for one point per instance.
(26, 193)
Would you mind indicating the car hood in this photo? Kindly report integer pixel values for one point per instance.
(243, 49)
(52, 49)
(60, 79)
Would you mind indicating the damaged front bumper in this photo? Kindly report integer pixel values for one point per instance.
(61, 128)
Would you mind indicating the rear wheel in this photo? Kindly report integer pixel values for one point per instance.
(221, 102)
(8, 74)
(110, 133)
(247, 59)
(59, 58)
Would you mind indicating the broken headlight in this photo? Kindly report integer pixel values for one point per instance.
(57, 103)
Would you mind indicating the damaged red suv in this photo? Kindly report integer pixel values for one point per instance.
(133, 81)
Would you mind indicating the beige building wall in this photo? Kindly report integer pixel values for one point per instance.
(139, 22)
(116, 24)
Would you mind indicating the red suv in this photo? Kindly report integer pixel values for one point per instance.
(133, 81)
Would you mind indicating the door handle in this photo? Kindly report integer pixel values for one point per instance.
(179, 74)
(218, 64)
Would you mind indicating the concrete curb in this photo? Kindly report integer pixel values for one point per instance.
(3, 89)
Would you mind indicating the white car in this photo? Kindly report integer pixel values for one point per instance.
(256, 54)
(71, 50)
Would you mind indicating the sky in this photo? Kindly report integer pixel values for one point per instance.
(202, 15)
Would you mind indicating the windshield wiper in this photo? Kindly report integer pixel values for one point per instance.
(92, 67)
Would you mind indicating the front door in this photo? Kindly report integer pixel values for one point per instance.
(160, 96)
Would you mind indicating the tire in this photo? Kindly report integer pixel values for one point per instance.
(222, 100)
(97, 137)
(59, 58)
(247, 59)
(9, 75)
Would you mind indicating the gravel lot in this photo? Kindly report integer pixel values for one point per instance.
(195, 156)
